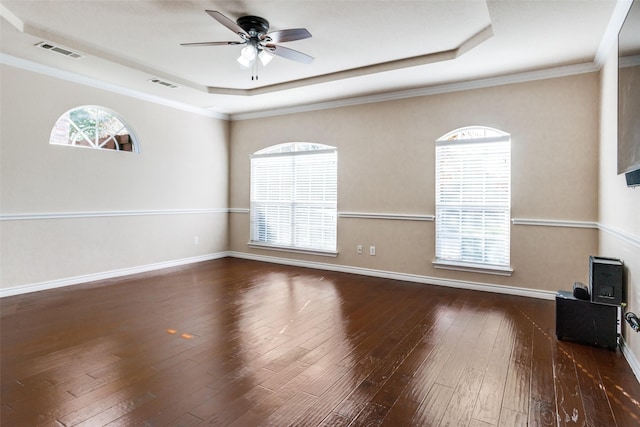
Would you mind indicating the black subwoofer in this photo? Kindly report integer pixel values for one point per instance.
(605, 280)
(586, 322)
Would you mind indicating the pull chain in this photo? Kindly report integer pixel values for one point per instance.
(254, 72)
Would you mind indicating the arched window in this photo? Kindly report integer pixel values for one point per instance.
(93, 127)
(473, 199)
(294, 197)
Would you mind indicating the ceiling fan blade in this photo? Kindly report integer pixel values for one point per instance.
(211, 43)
(227, 22)
(287, 53)
(289, 35)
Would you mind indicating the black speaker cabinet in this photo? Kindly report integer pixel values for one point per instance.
(605, 280)
(586, 322)
(633, 178)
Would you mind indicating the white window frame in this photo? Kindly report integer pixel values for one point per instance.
(303, 214)
(480, 204)
(108, 129)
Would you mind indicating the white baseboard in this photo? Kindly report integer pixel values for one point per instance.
(477, 286)
(631, 358)
(52, 284)
(460, 284)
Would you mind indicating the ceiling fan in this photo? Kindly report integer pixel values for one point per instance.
(253, 32)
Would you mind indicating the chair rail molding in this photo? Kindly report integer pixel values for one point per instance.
(554, 223)
(106, 214)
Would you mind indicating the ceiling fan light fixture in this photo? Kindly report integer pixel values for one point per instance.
(265, 58)
(254, 34)
(248, 52)
(244, 61)
(247, 56)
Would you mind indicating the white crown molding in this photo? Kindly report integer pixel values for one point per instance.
(610, 37)
(382, 97)
(46, 70)
(11, 18)
(429, 58)
(105, 214)
(76, 280)
(549, 73)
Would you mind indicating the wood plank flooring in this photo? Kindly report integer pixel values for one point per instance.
(244, 343)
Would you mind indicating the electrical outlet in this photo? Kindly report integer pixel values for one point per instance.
(359, 249)
(372, 250)
(195, 240)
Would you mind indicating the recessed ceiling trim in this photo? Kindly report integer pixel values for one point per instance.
(11, 18)
(46, 70)
(429, 58)
(415, 61)
(340, 75)
(547, 73)
(92, 51)
(611, 33)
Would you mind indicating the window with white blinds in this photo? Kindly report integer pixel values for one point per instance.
(294, 197)
(473, 198)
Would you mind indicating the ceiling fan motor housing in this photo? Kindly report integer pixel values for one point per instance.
(253, 25)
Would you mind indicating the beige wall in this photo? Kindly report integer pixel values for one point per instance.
(386, 165)
(619, 205)
(183, 165)
(563, 131)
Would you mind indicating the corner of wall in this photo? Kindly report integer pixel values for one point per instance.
(618, 205)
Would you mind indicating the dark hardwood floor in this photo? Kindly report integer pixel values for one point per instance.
(237, 342)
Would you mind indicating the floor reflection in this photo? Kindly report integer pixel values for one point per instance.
(284, 318)
(234, 342)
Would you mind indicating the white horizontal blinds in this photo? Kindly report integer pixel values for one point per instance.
(473, 199)
(294, 197)
(271, 195)
(315, 201)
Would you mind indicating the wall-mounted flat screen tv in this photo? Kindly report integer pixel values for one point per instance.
(629, 95)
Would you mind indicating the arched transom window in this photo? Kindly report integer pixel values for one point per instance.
(93, 127)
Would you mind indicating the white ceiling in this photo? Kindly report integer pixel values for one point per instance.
(419, 44)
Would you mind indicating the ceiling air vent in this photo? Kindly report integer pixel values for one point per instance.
(163, 83)
(62, 51)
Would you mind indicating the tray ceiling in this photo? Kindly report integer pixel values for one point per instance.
(360, 47)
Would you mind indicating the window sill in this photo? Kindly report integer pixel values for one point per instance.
(320, 252)
(473, 268)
